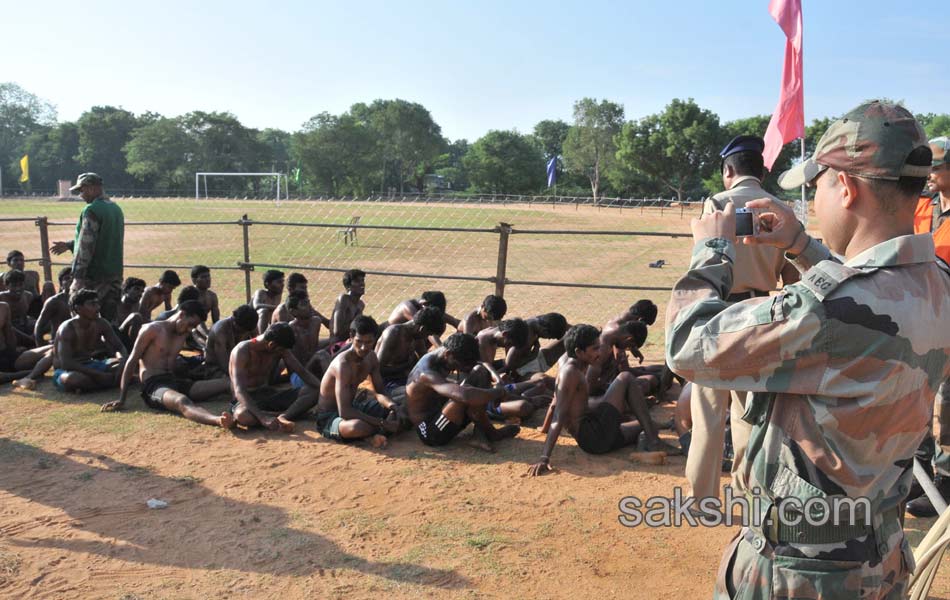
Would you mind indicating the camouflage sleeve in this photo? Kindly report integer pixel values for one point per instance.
(773, 344)
(814, 253)
(88, 232)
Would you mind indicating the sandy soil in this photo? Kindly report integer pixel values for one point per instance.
(258, 515)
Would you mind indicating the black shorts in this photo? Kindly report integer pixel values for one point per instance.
(155, 387)
(328, 421)
(437, 430)
(271, 400)
(599, 430)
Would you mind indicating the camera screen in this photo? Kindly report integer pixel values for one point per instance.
(743, 224)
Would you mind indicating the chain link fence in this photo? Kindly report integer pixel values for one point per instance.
(587, 261)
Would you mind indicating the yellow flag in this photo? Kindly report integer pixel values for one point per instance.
(25, 168)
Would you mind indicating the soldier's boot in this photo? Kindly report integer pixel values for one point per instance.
(916, 491)
(922, 507)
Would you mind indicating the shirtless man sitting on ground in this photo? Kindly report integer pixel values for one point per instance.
(348, 306)
(629, 336)
(265, 300)
(492, 310)
(225, 335)
(128, 318)
(17, 262)
(306, 328)
(598, 426)
(529, 358)
(55, 311)
(406, 309)
(402, 345)
(345, 412)
(19, 300)
(158, 294)
(255, 403)
(157, 348)
(15, 364)
(296, 282)
(79, 340)
(201, 279)
(440, 409)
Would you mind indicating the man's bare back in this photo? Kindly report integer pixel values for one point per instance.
(154, 297)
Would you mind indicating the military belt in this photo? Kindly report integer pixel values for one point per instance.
(829, 533)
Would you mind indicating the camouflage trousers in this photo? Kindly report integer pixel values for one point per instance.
(803, 572)
(941, 435)
(110, 294)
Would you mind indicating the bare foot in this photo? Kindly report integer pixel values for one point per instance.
(285, 425)
(227, 420)
(24, 384)
(379, 441)
(661, 446)
(479, 443)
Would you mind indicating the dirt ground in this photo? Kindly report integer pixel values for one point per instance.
(263, 515)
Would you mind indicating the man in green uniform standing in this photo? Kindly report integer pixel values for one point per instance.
(97, 248)
(844, 364)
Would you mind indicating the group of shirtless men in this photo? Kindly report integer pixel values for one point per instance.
(363, 381)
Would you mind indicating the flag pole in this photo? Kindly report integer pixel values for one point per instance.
(803, 217)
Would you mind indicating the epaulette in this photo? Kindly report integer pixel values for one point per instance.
(826, 276)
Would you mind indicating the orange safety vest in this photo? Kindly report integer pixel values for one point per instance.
(923, 218)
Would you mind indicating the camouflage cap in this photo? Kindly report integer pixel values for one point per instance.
(871, 141)
(86, 179)
(941, 148)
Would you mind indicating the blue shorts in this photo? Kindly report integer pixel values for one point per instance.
(295, 381)
(98, 365)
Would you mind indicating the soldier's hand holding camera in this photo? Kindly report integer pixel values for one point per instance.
(777, 227)
(719, 224)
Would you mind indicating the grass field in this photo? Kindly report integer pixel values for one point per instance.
(579, 258)
(261, 515)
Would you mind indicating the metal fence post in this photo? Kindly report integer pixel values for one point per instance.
(43, 224)
(504, 230)
(245, 223)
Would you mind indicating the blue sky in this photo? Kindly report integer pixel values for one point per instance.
(476, 66)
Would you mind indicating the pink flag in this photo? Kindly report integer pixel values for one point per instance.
(788, 120)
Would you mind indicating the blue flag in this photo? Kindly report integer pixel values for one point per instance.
(552, 171)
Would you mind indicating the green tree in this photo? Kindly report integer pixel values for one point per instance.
(551, 134)
(590, 148)
(409, 140)
(935, 125)
(224, 145)
(52, 153)
(449, 165)
(505, 162)
(21, 114)
(337, 155)
(161, 155)
(103, 133)
(676, 148)
(276, 143)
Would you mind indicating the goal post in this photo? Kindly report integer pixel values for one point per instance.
(202, 177)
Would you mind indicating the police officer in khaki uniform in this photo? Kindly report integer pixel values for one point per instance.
(757, 271)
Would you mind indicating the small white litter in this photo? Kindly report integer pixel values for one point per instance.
(156, 503)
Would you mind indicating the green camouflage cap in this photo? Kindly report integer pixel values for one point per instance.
(86, 179)
(871, 141)
(941, 148)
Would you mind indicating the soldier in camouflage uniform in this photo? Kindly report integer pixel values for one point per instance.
(843, 364)
(98, 245)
